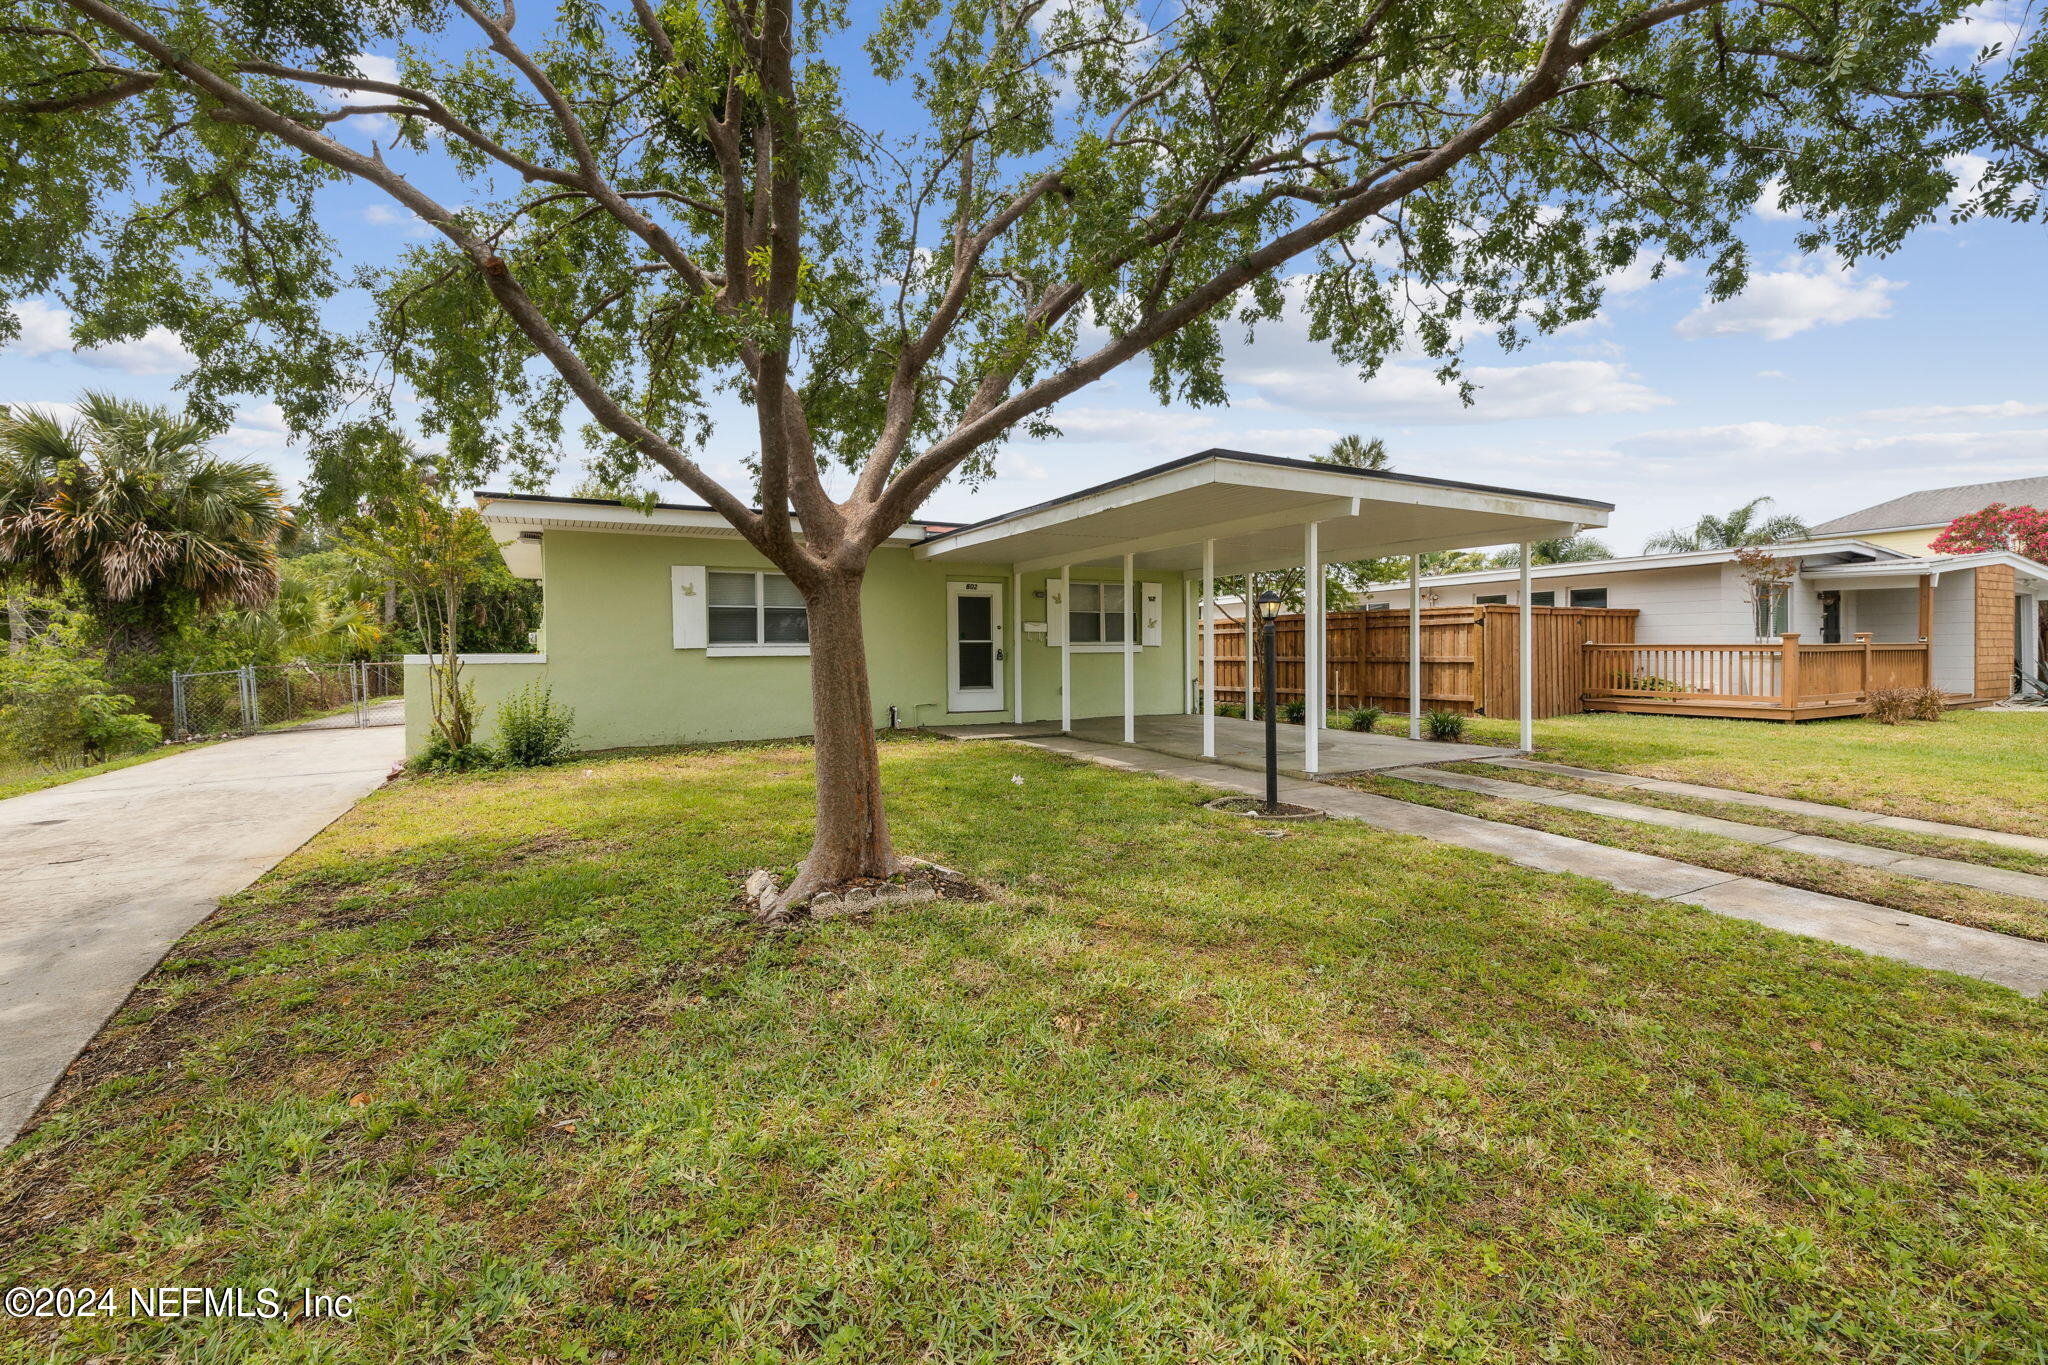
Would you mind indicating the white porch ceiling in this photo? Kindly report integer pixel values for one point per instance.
(1255, 508)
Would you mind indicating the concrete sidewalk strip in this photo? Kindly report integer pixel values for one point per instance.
(99, 877)
(1819, 810)
(1999, 958)
(1949, 870)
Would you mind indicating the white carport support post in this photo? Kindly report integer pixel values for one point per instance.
(1415, 646)
(1016, 643)
(1313, 682)
(1130, 651)
(1209, 649)
(1066, 651)
(1525, 663)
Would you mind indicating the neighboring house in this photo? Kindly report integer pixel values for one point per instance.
(1909, 523)
(666, 627)
(1976, 607)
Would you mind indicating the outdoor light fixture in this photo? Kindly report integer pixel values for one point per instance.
(1269, 616)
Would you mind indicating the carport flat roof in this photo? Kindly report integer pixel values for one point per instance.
(1254, 507)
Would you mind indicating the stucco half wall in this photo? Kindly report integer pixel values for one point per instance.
(610, 652)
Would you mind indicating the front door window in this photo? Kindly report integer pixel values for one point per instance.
(974, 628)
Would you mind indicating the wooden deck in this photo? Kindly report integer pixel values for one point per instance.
(1786, 681)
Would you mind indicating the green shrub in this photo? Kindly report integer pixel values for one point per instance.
(1362, 718)
(532, 730)
(56, 706)
(1234, 710)
(439, 756)
(1294, 712)
(1445, 725)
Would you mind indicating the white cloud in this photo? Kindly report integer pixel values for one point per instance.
(1642, 272)
(2001, 22)
(1412, 393)
(46, 330)
(1771, 374)
(1015, 464)
(1767, 205)
(382, 215)
(1814, 291)
(371, 66)
(2011, 407)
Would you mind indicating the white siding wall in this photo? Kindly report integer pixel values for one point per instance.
(1710, 604)
(1692, 605)
(1891, 615)
(1955, 632)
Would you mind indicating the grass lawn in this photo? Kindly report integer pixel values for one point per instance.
(1973, 906)
(1876, 836)
(1983, 768)
(497, 1056)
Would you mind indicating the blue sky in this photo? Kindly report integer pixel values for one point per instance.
(1824, 387)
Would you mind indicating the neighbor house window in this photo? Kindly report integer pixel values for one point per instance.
(755, 609)
(1095, 613)
(1589, 597)
(1492, 599)
(1773, 611)
(1542, 599)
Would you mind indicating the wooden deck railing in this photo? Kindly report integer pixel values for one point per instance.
(1786, 676)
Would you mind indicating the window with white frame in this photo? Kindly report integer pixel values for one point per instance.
(1543, 599)
(1589, 597)
(1096, 614)
(755, 609)
(1773, 608)
(1492, 599)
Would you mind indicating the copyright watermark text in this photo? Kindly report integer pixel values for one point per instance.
(167, 1301)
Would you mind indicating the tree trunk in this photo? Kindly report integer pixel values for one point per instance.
(852, 832)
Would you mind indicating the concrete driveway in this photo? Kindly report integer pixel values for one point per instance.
(99, 877)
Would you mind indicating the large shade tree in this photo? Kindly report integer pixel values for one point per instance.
(903, 238)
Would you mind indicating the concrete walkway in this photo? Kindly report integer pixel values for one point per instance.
(2018, 963)
(1847, 815)
(100, 876)
(1951, 870)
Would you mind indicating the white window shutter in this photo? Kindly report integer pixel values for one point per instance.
(1055, 613)
(687, 606)
(1151, 617)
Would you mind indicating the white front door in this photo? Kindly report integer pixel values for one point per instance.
(974, 647)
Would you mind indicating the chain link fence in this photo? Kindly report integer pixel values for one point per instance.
(241, 701)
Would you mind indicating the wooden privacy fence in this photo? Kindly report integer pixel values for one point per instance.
(1470, 657)
(1753, 679)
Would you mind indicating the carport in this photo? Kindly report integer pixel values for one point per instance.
(1222, 513)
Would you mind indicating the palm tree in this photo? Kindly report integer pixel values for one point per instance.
(128, 506)
(1566, 550)
(1356, 452)
(1746, 525)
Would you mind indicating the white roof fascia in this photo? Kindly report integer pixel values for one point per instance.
(1647, 563)
(1331, 484)
(522, 514)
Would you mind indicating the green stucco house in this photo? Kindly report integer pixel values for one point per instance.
(664, 627)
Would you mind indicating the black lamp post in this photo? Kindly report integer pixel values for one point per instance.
(1269, 616)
